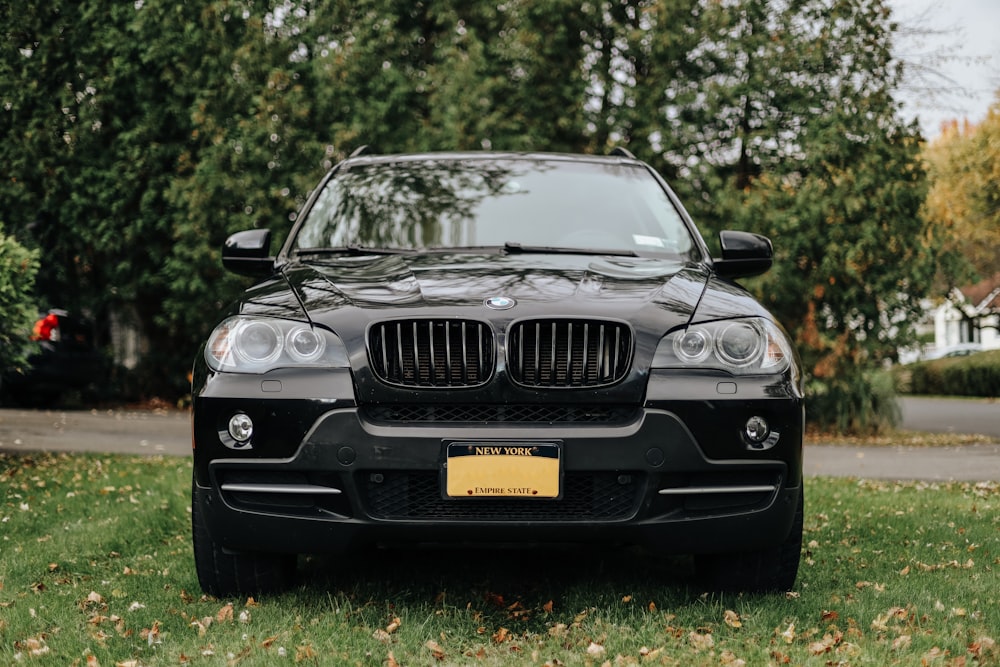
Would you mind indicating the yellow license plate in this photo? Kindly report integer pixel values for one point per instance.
(503, 470)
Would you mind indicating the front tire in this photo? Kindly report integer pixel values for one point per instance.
(766, 571)
(223, 573)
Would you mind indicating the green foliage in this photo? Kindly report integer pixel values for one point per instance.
(973, 375)
(138, 136)
(853, 402)
(18, 267)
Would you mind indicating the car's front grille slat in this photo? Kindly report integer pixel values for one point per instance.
(432, 353)
(569, 353)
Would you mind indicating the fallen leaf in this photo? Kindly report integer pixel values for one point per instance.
(547, 607)
(822, 646)
(390, 660)
(982, 647)
(732, 619)
(435, 649)
(595, 650)
(700, 641)
(501, 635)
(225, 614)
(559, 630)
(829, 616)
(901, 643)
(931, 656)
(305, 652)
(393, 625)
(382, 636)
(729, 658)
(789, 633)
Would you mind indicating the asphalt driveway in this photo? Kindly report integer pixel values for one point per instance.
(168, 433)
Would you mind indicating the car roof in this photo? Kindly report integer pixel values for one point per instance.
(363, 157)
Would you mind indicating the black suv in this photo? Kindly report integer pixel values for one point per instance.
(496, 347)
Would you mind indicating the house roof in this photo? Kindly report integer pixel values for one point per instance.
(984, 295)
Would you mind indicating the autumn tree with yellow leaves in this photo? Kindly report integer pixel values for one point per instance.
(964, 199)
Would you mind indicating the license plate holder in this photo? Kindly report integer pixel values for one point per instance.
(526, 470)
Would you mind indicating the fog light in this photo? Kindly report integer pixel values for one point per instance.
(240, 428)
(756, 430)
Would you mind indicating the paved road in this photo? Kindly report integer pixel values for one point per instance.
(115, 431)
(169, 433)
(951, 415)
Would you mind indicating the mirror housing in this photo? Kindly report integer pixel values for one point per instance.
(743, 254)
(247, 253)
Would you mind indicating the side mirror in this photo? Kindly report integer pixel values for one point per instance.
(246, 253)
(743, 255)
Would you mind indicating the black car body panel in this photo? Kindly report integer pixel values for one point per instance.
(359, 454)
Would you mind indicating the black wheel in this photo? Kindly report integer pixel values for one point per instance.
(767, 571)
(224, 573)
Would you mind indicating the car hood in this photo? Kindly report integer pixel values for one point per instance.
(659, 293)
(436, 284)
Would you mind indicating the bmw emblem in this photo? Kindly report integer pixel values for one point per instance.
(499, 302)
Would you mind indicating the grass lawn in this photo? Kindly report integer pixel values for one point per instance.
(96, 569)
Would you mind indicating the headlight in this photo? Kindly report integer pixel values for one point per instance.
(255, 345)
(742, 347)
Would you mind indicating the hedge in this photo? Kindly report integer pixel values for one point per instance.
(974, 375)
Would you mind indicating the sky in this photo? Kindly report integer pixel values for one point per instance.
(957, 39)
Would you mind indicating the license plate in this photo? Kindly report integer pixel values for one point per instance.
(503, 470)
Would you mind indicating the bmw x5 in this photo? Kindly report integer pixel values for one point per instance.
(470, 347)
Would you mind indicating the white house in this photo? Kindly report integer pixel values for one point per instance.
(970, 316)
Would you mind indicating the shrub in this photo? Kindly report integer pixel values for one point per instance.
(853, 403)
(18, 267)
(974, 375)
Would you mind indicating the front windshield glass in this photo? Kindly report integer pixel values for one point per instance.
(467, 203)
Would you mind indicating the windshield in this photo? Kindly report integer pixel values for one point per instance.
(471, 203)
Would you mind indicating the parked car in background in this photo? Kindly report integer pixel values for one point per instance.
(62, 359)
(929, 353)
(957, 350)
(481, 348)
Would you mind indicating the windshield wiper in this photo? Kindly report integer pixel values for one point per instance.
(514, 248)
(352, 249)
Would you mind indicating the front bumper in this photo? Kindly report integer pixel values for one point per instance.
(351, 482)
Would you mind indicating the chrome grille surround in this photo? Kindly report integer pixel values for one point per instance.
(568, 353)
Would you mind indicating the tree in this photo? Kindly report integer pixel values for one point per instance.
(964, 200)
(795, 134)
(18, 266)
